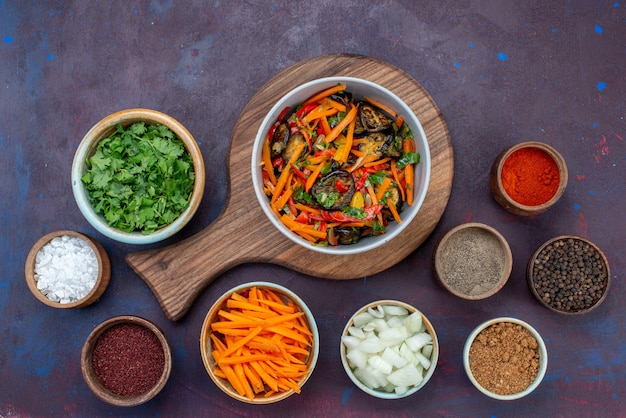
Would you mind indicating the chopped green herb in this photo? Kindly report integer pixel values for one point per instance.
(327, 200)
(140, 178)
(353, 212)
(408, 158)
(300, 195)
(376, 178)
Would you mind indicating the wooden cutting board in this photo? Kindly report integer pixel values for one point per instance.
(178, 273)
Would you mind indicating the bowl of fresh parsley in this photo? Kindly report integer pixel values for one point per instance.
(138, 176)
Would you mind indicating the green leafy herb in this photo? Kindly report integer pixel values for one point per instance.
(140, 178)
(408, 158)
(300, 195)
(327, 200)
(376, 178)
(353, 212)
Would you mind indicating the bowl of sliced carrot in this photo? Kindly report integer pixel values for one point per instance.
(259, 343)
(340, 165)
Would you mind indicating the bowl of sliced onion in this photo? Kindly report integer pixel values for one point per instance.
(389, 349)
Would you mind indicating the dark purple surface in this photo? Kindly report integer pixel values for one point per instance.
(501, 72)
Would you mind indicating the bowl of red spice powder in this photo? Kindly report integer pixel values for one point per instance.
(505, 358)
(528, 178)
(126, 360)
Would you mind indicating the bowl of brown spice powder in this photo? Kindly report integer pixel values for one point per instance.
(472, 261)
(126, 360)
(505, 358)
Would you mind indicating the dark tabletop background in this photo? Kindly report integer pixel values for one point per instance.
(501, 72)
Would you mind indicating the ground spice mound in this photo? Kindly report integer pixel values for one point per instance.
(530, 176)
(128, 359)
(504, 358)
(472, 261)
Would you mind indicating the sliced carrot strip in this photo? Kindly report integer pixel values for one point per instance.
(394, 211)
(334, 133)
(325, 93)
(267, 162)
(313, 176)
(396, 177)
(382, 189)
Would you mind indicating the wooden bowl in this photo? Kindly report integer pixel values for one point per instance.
(468, 252)
(542, 366)
(102, 281)
(206, 345)
(498, 190)
(97, 386)
(104, 129)
(349, 366)
(553, 291)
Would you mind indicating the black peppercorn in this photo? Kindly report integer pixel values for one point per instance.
(569, 275)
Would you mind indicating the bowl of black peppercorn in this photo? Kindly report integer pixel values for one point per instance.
(569, 274)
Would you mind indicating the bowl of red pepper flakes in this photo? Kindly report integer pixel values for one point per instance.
(340, 165)
(126, 360)
(528, 178)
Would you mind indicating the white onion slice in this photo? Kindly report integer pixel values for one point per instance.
(388, 348)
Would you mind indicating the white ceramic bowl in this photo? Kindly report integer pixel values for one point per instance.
(105, 128)
(543, 359)
(206, 346)
(359, 88)
(380, 393)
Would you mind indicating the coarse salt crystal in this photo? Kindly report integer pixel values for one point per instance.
(66, 269)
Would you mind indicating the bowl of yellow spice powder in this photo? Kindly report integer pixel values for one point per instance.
(528, 178)
(505, 358)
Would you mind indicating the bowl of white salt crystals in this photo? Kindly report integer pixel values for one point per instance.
(67, 269)
(389, 349)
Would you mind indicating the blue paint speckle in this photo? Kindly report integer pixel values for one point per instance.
(615, 396)
(599, 29)
(50, 56)
(576, 206)
(8, 39)
(601, 85)
(595, 125)
(457, 64)
(472, 45)
(616, 4)
(567, 379)
(4, 285)
(501, 56)
(553, 30)
(346, 395)
(40, 195)
(592, 192)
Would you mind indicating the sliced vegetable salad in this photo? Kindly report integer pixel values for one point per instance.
(337, 168)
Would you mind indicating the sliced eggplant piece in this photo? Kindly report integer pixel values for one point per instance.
(279, 139)
(292, 145)
(347, 235)
(334, 191)
(374, 144)
(373, 119)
